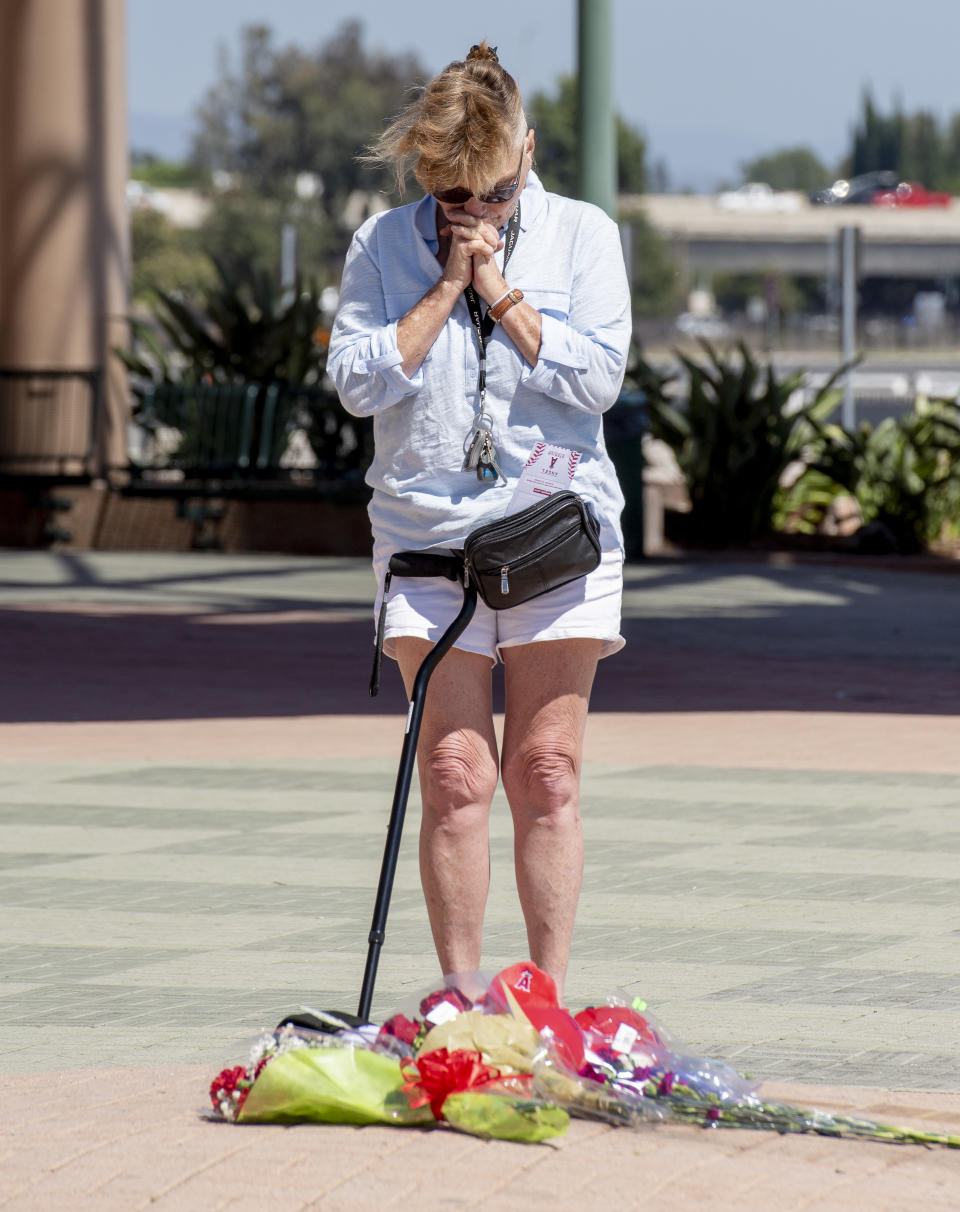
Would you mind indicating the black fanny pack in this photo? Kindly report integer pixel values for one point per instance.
(531, 552)
(520, 557)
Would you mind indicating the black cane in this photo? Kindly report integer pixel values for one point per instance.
(401, 792)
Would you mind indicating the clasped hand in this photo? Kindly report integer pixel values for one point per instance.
(473, 244)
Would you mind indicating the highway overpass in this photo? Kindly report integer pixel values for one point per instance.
(923, 242)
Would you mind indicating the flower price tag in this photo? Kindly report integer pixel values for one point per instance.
(442, 1012)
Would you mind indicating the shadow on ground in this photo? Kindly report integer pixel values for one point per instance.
(172, 637)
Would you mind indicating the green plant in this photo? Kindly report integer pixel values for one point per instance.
(801, 506)
(905, 472)
(165, 257)
(240, 330)
(733, 436)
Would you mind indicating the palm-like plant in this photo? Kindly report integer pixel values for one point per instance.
(242, 329)
(734, 435)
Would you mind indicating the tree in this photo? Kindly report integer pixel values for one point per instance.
(244, 230)
(790, 168)
(165, 257)
(286, 111)
(656, 287)
(917, 147)
(922, 154)
(951, 155)
(876, 140)
(555, 121)
(166, 174)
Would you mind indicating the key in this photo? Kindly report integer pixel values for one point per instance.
(487, 466)
(476, 449)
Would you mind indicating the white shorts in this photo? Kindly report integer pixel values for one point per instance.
(588, 608)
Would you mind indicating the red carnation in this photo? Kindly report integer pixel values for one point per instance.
(401, 1028)
(452, 995)
(232, 1086)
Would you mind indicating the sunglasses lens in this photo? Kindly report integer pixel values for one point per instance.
(499, 195)
(454, 196)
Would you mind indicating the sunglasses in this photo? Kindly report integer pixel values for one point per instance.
(503, 193)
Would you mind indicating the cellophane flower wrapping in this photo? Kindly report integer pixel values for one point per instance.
(499, 1115)
(332, 1085)
(498, 1057)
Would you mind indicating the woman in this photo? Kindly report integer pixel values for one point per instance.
(488, 263)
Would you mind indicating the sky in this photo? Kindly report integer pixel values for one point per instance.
(709, 85)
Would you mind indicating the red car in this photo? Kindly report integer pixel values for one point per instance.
(911, 193)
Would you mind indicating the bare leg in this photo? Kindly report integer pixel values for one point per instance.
(457, 761)
(547, 694)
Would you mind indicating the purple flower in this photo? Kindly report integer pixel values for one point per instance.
(592, 1072)
(666, 1084)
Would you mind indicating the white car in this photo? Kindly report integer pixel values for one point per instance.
(758, 196)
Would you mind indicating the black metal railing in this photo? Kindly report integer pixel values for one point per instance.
(235, 439)
(49, 421)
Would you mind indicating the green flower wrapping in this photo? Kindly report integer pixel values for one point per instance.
(331, 1086)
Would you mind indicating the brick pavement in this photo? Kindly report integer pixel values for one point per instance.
(191, 835)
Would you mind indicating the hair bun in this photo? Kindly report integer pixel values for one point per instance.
(483, 51)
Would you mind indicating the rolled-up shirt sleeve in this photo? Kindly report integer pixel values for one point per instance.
(583, 354)
(365, 362)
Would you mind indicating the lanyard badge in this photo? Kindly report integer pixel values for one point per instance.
(481, 451)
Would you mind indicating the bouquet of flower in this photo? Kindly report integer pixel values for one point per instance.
(460, 1058)
(501, 1058)
(634, 1073)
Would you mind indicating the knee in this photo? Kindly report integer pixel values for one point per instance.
(543, 778)
(457, 772)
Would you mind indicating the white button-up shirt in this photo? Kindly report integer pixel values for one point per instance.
(568, 262)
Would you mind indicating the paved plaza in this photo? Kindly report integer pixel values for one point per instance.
(194, 786)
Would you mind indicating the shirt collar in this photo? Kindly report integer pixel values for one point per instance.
(425, 221)
(533, 199)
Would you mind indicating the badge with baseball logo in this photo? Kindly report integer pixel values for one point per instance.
(547, 470)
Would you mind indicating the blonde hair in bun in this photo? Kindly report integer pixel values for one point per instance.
(467, 120)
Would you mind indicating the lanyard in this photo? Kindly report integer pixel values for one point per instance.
(482, 324)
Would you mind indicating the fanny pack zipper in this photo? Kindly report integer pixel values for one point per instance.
(508, 530)
(517, 565)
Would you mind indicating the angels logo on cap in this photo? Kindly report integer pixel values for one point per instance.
(534, 993)
(529, 984)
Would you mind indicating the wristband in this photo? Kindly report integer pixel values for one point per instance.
(502, 306)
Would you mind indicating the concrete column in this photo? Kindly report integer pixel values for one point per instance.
(64, 244)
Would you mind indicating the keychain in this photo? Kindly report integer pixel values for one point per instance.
(481, 435)
(482, 452)
(487, 466)
(482, 456)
